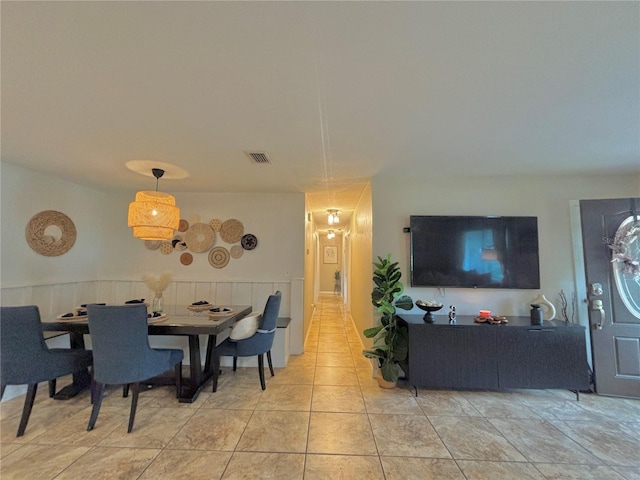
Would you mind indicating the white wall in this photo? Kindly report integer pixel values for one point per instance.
(25, 193)
(396, 197)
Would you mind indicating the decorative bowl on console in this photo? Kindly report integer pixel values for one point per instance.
(428, 306)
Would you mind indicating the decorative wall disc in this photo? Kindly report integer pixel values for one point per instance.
(219, 257)
(231, 231)
(249, 242)
(236, 251)
(195, 218)
(216, 223)
(152, 244)
(199, 238)
(186, 258)
(166, 247)
(183, 226)
(59, 237)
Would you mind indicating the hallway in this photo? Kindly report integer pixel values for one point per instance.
(324, 417)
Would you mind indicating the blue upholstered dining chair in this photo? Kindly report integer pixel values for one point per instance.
(122, 355)
(258, 344)
(26, 359)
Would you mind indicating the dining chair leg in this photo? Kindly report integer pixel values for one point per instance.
(2, 392)
(134, 405)
(261, 371)
(52, 388)
(28, 405)
(270, 364)
(235, 363)
(125, 390)
(97, 402)
(178, 379)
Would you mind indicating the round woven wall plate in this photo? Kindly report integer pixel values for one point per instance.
(216, 223)
(236, 251)
(152, 244)
(231, 231)
(199, 238)
(166, 247)
(183, 226)
(219, 257)
(249, 242)
(186, 258)
(46, 244)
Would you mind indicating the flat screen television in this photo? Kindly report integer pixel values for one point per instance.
(474, 252)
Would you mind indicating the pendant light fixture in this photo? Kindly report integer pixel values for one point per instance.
(154, 215)
(333, 218)
(331, 234)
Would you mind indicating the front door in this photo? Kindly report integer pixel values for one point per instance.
(611, 242)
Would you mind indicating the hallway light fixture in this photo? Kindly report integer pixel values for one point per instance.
(154, 215)
(333, 218)
(331, 234)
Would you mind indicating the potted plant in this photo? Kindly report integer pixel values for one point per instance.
(391, 340)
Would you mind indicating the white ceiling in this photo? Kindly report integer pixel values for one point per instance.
(333, 92)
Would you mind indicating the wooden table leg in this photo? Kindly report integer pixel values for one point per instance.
(82, 379)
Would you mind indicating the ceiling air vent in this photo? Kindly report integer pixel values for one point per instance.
(259, 157)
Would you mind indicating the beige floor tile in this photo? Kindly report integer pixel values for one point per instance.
(335, 398)
(334, 347)
(307, 359)
(293, 375)
(274, 431)
(332, 338)
(474, 438)
(39, 461)
(610, 444)
(340, 433)
(242, 375)
(434, 402)
(360, 361)
(187, 465)
(239, 396)
(153, 428)
(73, 431)
(558, 471)
(395, 400)
(99, 462)
(286, 397)
(413, 436)
(499, 405)
(475, 470)
(407, 468)
(336, 376)
(324, 467)
(265, 466)
(630, 473)
(211, 429)
(7, 448)
(540, 441)
(366, 378)
(611, 408)
(334, 359)
(165, 397)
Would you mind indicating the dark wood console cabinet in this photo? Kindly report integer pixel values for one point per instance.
(469, 355)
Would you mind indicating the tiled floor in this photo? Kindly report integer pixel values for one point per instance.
(324, 417)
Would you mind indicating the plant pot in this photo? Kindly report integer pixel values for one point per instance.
(384, 383)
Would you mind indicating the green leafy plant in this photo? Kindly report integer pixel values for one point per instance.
(391, 339)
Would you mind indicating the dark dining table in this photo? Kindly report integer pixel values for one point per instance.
(179, 321)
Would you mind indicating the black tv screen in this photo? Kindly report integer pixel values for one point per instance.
(474, 252)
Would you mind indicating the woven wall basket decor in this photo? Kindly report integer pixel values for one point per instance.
(200, 237)
(219, 257)
(231, 231)
(49, 244)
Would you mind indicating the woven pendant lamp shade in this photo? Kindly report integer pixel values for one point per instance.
(154, 215)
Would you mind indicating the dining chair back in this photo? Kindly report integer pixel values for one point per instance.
(122, 354)
(25, 357)
(260, 342)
